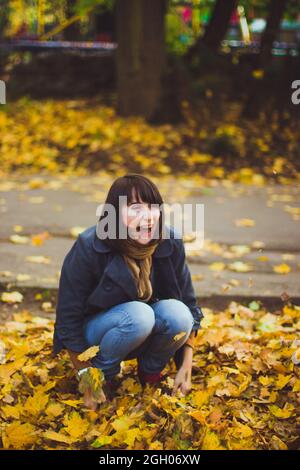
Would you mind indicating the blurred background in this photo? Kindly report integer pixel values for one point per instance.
(202, 96)
(219, 72)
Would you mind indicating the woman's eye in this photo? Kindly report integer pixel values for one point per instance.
(137, 207)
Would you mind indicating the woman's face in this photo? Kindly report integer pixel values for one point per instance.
(141, 219)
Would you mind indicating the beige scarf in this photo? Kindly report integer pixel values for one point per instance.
(139, 260)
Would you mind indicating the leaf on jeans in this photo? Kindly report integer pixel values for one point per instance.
(88, 353)
(179, 336)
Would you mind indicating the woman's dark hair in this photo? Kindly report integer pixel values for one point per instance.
(145, 190)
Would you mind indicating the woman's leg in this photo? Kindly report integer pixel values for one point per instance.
(118, 331)
(172, 317)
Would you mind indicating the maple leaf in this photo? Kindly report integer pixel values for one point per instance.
(7, 370)
(75, 231)
(19, 239)
(241, 431)
(282, 381)
(211, 442)
(11, 297)
(132, 435)
(36, 404)
(244, 222)
(102, 441)
(200, 398)
(282, 268)
(282, 413)
(58, 437)
(88, 353)
(258, 379)
(40, 259)
(76, 426)
(122, 424)
(39, 239)
(278, 444)
(54, 409)
(179, 336)
(19, 436)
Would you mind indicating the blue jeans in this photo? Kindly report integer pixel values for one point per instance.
(139, 330)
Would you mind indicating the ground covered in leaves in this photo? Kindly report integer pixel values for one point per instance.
(245, 390)
(82, 136)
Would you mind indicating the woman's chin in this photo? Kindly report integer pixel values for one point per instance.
(143, 241)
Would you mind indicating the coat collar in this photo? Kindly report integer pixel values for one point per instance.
(164, 249)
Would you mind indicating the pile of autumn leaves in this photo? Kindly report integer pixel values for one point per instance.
(79, 136)
(245, 394)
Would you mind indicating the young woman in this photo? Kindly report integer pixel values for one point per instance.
(130, 295)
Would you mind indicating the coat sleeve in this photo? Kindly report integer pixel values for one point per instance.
(75, 285)
(187, 289)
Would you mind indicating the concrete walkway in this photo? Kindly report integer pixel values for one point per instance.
(58, 204)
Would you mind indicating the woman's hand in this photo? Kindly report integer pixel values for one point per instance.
(183, 381)
(90, 401)
(91, 397)
(90, 385)
(77, 364)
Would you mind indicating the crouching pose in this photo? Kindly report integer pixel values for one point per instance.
(130, 295)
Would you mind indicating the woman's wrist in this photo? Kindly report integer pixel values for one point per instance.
(75, 361)
(187, 356)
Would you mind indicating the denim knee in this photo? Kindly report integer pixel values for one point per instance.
(141, 317)
(176, 315)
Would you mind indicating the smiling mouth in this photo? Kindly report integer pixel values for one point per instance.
(146, 229)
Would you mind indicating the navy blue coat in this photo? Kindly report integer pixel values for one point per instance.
(95, 278)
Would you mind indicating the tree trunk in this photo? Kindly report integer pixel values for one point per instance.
(215, 30)
(104, 26)
(276, 11)
(72, 32)
(4, 9)
(4, 17)
(140, 56)
(257, 96)
(218, 25)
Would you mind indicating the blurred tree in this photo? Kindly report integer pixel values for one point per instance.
(216, 27)
(219, 22)
(275, 13)
(140, 58)
(4, 17)
(72, 32)
(104, 25)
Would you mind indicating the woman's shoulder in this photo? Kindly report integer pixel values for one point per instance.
(87, 235)
(85, 242)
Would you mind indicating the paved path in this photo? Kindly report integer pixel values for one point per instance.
(58, 204)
